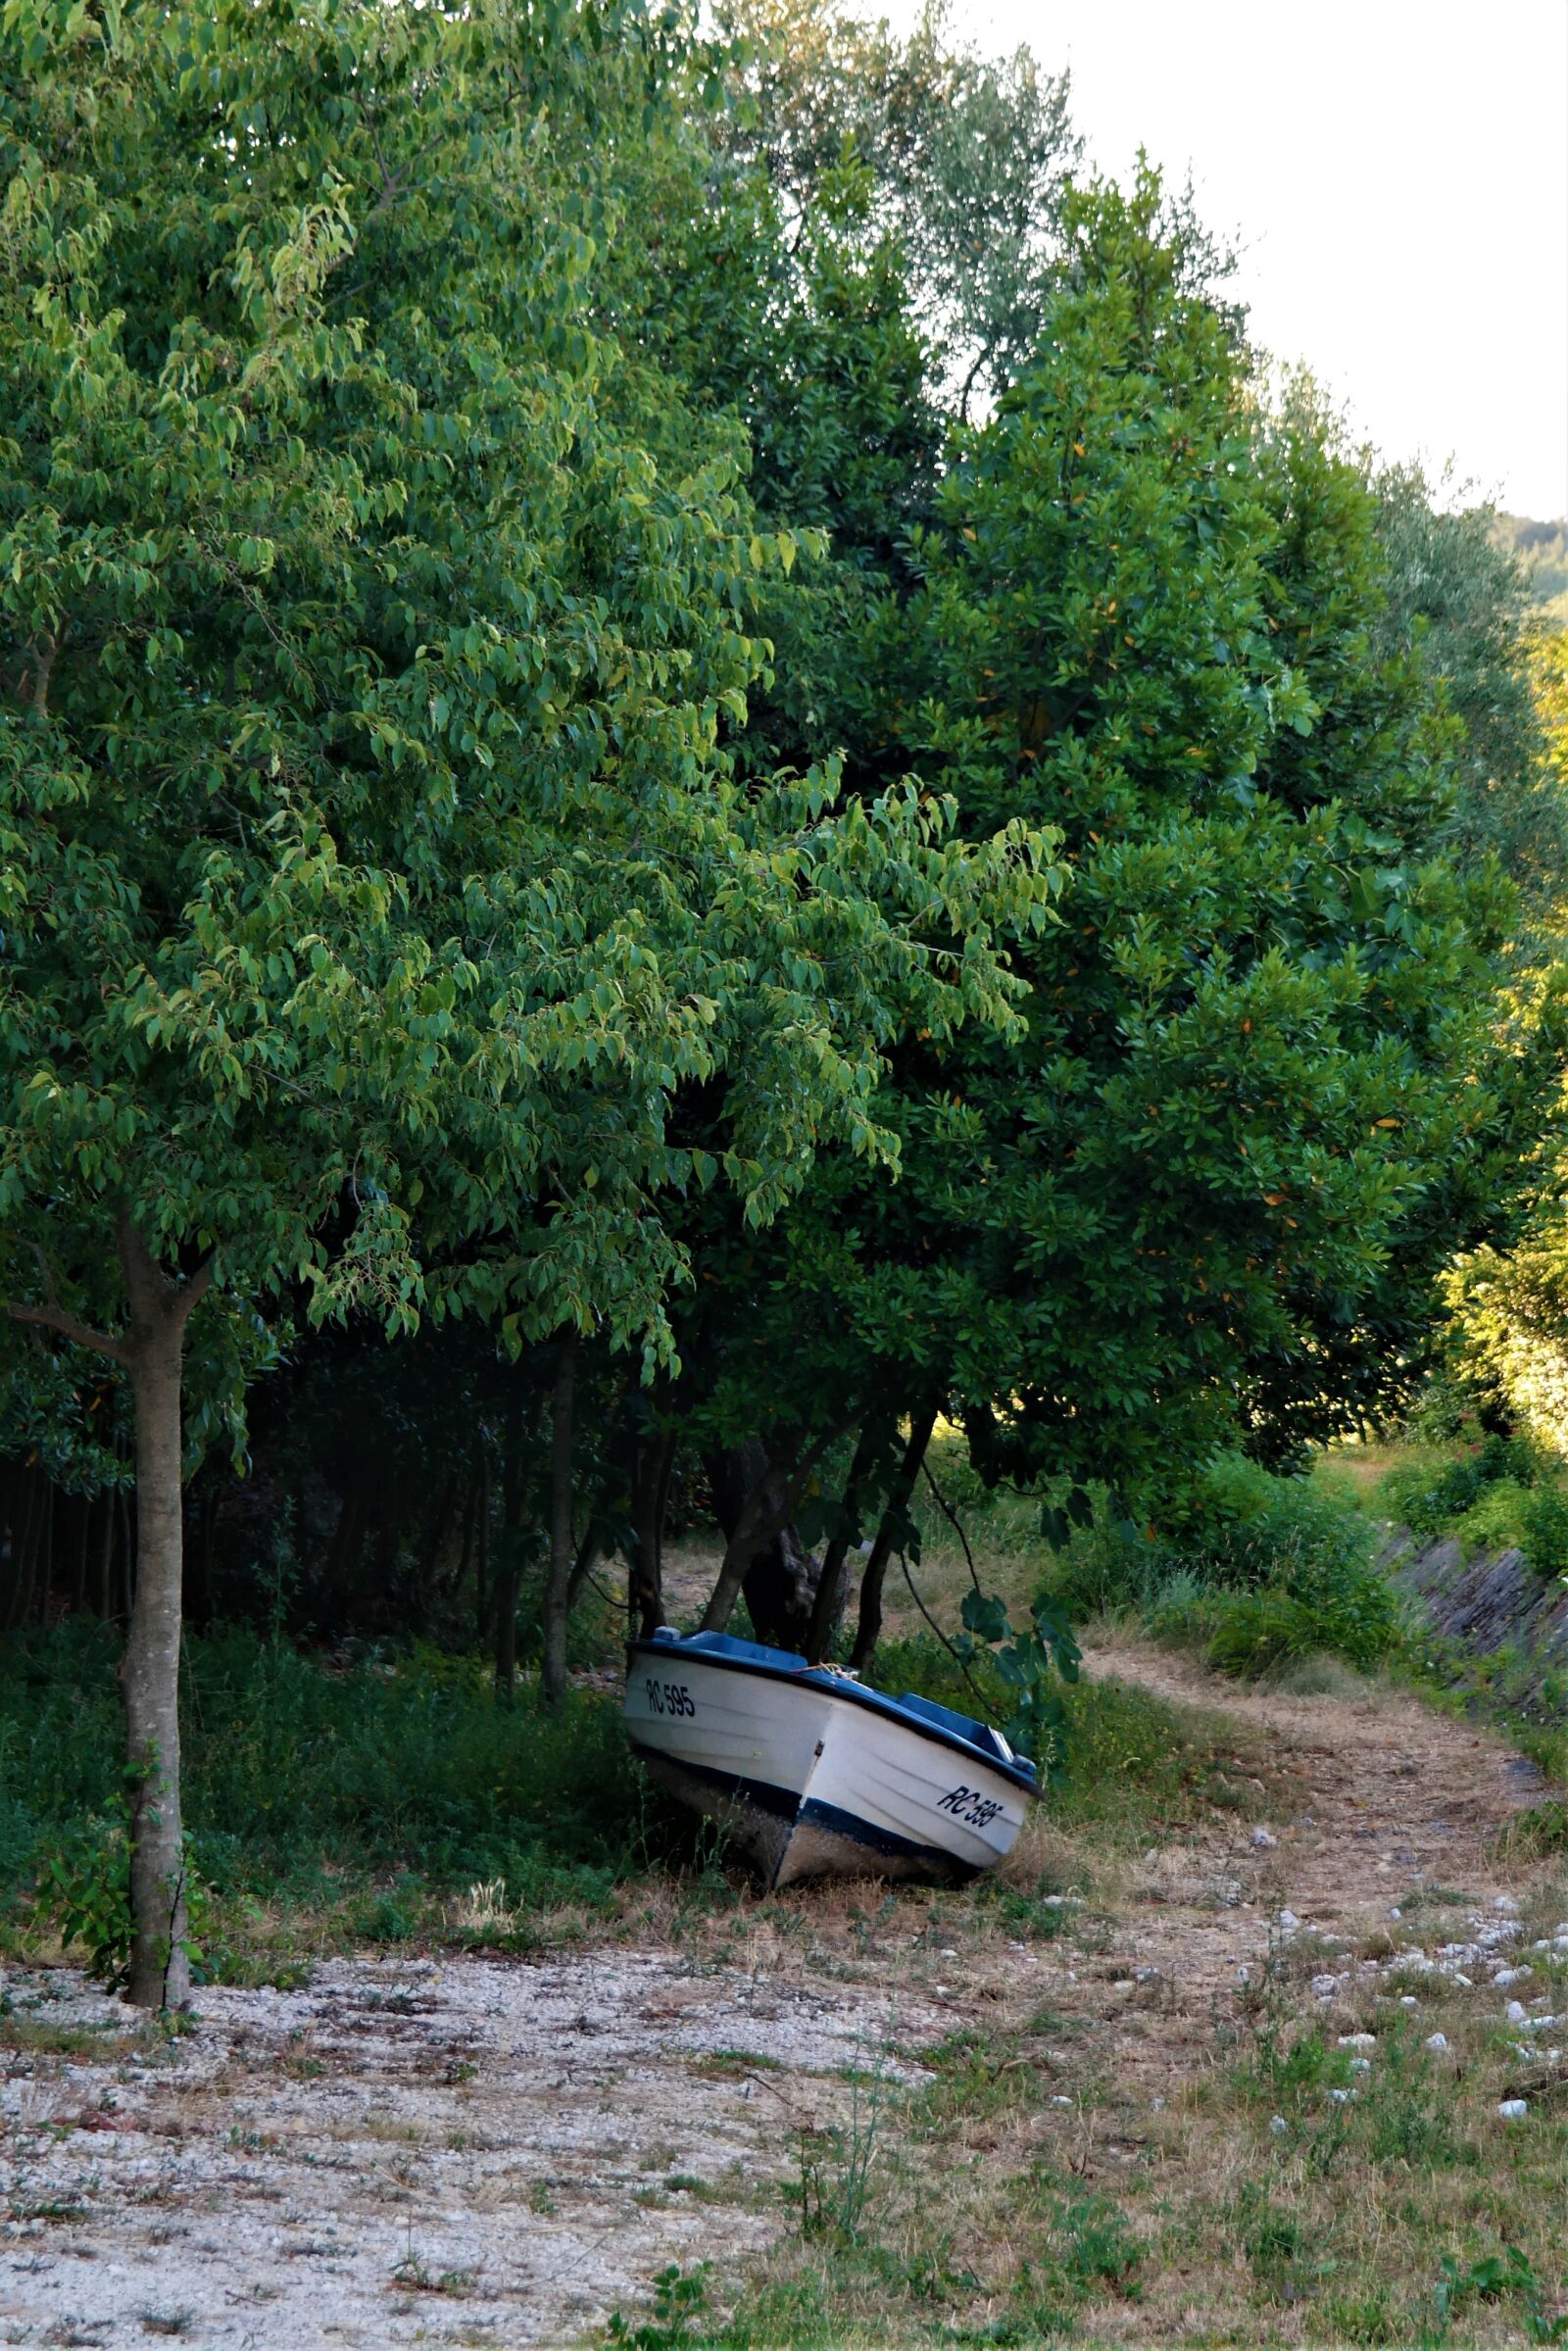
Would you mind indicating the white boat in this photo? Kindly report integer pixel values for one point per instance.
(813, 1774)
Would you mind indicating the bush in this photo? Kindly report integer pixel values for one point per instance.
(1497, 1495)
(1263, 1570)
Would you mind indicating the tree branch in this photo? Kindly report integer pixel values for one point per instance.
(55, 1318)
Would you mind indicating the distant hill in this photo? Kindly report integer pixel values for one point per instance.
(1543, 551)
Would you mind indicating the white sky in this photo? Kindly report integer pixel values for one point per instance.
(1397, 171)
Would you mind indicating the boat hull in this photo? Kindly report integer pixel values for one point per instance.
(813, 1780)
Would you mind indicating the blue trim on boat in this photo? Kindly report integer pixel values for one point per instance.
(939, 1722)
(813, 1813)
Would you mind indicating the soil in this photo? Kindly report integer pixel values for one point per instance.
(488, 2151)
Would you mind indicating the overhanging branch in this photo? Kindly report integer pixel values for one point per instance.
(55, 1318)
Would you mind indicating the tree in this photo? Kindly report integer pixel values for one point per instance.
(1259, 1100)
(377, 886)
(968, 158)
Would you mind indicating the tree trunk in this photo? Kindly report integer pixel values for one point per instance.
(481, 1551)
(106, 1555)
(558, 1578)
(504, 1584)
(648, 1525)
(763, 1515)
(160, 1972)
(869, 1631)
(152, 1352)
(780, 1579)
(828, 1605)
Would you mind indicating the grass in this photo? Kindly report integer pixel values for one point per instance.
(1033, 2190)
(391, 1800)
(1079, 2158)
(335, 1803)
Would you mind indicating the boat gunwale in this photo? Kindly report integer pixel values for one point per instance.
(823, 1683)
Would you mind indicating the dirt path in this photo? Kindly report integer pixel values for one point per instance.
(1396, 1808)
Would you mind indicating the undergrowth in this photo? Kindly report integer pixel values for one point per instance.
(1497, 1493)
(1262, 1573)
(356, 1798)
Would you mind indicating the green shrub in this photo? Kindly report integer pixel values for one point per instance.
(1499, 1495)
(1261, 1571)
(316, 1779)
(1256, 1633)
(1544, 1524)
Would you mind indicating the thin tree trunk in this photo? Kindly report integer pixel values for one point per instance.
(152, 1348)
(128, 1558)
(436, 1535)
(470, 1507)
(648, 1529)
(481, 1555)
(79, 1599)
(869, 1631)
(827, 1607)
(47, 1550)
(106, 1557)
(509, 1562)
(160, 1972)
(23, 1549)
(558, 1578)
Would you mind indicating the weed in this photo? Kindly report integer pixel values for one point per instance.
(1102, 2251)
(835, 2166)
(680, 2307)
(413, 2275)
(1489, 2279)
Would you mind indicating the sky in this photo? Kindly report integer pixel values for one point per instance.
(1397, 174)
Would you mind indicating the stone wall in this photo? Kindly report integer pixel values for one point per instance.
(1493, 1600)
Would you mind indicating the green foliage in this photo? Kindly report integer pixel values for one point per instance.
(1032, 1665)
(1261, 1570)
(1130, 1761)
(1500, 1494)
(1454, 591)
(1489, 2279)
(84, 1884)
(1213, 1183)
(967, 157)
(83, 1888)
(679, 2313)
(387, 1783)
(376, 881)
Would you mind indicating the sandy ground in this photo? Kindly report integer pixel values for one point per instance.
(485, 2151)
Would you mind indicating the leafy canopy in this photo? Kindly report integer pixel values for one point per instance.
(376, 879)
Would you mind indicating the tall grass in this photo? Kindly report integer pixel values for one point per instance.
(296, 1767)
(1264, 1571)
